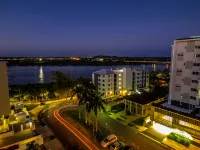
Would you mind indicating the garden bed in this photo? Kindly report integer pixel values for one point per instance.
(180, 139)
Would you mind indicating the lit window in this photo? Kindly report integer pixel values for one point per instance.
(167, 118)
(120, 83)
(120, 75)
(120, 87)
(120, 79)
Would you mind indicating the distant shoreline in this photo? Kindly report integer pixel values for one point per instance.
(63, 63)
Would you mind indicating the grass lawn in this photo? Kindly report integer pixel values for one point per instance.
(100, 135)
(31, 106)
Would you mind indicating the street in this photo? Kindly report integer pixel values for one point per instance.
(126, 134)
(66, 137)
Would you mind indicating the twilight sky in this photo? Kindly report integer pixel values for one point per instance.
(95, 27)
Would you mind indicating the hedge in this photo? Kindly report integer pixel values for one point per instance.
(180, 139)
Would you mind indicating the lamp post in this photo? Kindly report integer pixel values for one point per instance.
(106, 126)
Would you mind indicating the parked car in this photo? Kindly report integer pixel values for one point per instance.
(109, 140)
(108, 100)
(127, 148)
(117, 145)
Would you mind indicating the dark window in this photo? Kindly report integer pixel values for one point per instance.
(197, 46)
(138, 73)
(99, 80)
(192, 97)
(194, 81)
(179, 70)
(108, 75)
(138, 77)
(195, 73)
(197, 55)
(178, 86)
(103, 80)
(180, 54)
(193, 89)
(108, 84)
(103, 75)
(103, 84)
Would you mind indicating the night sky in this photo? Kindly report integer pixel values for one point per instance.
(95, 27)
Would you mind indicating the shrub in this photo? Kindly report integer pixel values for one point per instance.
(180, 139)
(139, 121)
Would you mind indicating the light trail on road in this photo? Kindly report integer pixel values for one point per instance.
(77, 133)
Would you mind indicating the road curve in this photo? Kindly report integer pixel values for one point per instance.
(77, 133)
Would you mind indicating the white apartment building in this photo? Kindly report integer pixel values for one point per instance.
(184, 93)
(120, 81)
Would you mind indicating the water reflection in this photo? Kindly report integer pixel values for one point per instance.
(154, 67)
(167, 66)
(41, 75)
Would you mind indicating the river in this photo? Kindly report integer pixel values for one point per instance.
(43, 74)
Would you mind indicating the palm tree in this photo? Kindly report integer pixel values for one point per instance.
(81, 93)
(97, 105)
(44, 93)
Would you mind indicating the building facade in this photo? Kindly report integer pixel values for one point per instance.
(4, 90)
(185, 74)
(182, 109)
(175, 120)
(120, 81)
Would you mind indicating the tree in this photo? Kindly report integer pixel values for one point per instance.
(44, 93)
(81, 93)
(33, 146)
(20, 93)
(97, 105)
(61, 80)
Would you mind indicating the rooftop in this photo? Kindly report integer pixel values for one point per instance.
(163, 105)
(104, 71)
(189, 38)
(140, 69)
(18, 137)
(144, 98)
(176, 108)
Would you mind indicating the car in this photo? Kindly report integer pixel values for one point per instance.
(108, 140)
(108, 100)
(127, 147)
(117, 145)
